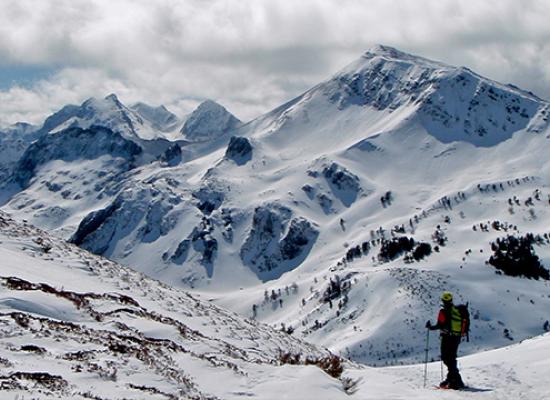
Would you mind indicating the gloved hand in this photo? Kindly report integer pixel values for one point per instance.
(429, 325)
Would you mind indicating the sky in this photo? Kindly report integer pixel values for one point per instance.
(248, 55)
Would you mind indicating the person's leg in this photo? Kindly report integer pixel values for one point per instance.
(446, 357)
(454, 378)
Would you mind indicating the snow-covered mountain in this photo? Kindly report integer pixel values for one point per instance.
(210, 120)
(142, 121)
(452, 104)
(99, 141)
(73, 144)
(160, 118)
(14, 140)
(295, 217)
(108, 112)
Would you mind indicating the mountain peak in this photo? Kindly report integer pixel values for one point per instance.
(385, 78)
(209, 121)
(159, 117)
(383, 53)
(383, 50)
(451, 103)
(112, 97)
(209, 103)
(104, 103)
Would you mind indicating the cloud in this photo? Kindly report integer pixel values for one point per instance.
(250, 55)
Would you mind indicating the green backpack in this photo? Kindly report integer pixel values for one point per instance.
(460, 321)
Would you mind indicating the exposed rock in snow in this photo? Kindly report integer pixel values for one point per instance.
(204, 243)
(366, 145)
(180, 255)
(344, 184)
(172, 156)
(324, 200)
(210, 197)
(200, 241)
(239, 150)
(138, 215)
(277, 244)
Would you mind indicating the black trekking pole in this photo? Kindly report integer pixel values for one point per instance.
(426, 359)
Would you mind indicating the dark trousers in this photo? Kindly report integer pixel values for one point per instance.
(449, 349)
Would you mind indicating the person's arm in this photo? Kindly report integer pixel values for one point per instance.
(440, 322)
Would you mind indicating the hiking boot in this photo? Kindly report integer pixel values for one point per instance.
(456, 384)
(444, 384)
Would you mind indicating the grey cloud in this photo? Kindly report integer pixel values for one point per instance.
(252, 55)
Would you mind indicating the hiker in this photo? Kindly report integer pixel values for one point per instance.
(450, 323)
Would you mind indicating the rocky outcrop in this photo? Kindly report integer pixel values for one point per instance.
(91, 223)
(204, 243)
(172, 156)
(201, 241)
(239, 150)
(343, 183)
(277, 242)
(137, 215)
(210, 197)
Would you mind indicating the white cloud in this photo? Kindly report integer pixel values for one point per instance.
(251, 55)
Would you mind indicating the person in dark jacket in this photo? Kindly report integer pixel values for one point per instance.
(449, 322)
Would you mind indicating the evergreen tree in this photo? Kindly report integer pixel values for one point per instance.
(514, 256)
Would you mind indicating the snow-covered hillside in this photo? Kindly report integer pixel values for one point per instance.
(289, 218)
(513, 372)
(78, 326)
(75, 325)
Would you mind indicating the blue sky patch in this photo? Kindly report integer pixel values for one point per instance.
(23, 75)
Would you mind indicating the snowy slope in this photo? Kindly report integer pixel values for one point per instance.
(76, 325)
(389, 302)
(79, 326)
(392, 145)
(514, 372)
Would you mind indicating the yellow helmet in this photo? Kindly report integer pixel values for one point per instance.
(447, 296)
